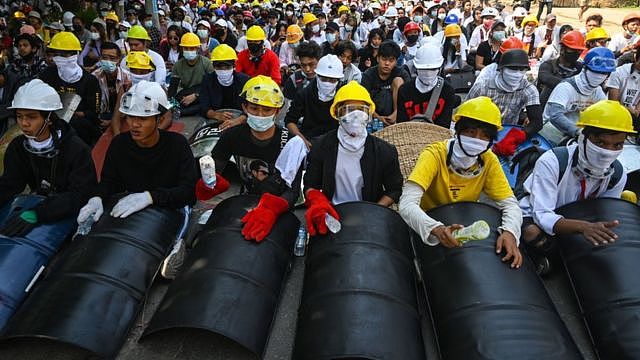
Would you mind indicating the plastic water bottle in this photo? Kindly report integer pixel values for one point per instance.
(301, 242)
(479, 230)
(208, 170)
(332, 223)
(85, 226)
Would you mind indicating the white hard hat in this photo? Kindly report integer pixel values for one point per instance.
(399, 5)
(375, 5)
(144, 99)
(125, 23)
(67, 18)
(519, 12)
(330, 66)
(428, 56)
(205, 23)
(36, 95)
(489, 11)
(391, 12)
(222, 22)
(430, 4)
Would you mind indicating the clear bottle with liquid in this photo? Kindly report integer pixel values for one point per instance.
(208, 170)
(85, 226)
(479, 230)
(301, 242)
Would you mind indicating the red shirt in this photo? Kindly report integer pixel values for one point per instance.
(268, 65)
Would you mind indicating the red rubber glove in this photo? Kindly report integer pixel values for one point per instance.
(259, 221)
(317, 208)
(203, 192)
(508, 145)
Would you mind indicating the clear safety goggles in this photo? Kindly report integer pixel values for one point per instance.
(139, 105)
(344, 110)
(602, 62)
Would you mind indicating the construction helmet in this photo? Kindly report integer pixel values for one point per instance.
(36, 95)
(223, 52)
(190, 40)
(352, 91)
(574, 40)
(488, 11)
(67, 18)
(607, 114)
(262, 90)
(294, 34)
(255, 33)
(411, 26)
(519, 12)
(343, 8)
(480, 108)
(65, 41)
(139, 60)
(138, 32)
(308, 18)
(631, 16)
(391, 12)
(111, 15)
(597, 34)
(145, 98)
(600, 60)
(451, 19)
(529, 19)
(511, 43)
(19, 15)
(514, 58)
(452, 30)
(330, 66)
(428, 56)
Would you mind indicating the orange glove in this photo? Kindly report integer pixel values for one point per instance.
(203, 192)
(259, 221)
(317, 208)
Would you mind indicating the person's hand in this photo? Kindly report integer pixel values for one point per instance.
(79, 114)
(543, 44)
(259, 221)
(318, 206)
(507, 241)
(600, 233)
(189, 99)
(445, 235)
(306, 142)
(131, 203)
(20, 225)
(229, 123)
(92, 208)
(405, 49)
(105, 123)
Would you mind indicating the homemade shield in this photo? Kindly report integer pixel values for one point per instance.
(483, 309)
(359, 295)
(605, 278)
(228, 285)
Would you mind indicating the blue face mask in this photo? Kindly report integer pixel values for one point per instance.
(108, 66)
(190, 55)
(260, 123)
(331, 38)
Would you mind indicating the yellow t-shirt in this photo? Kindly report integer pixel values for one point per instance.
(442, 186)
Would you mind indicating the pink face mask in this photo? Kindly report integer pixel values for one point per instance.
(487, 23)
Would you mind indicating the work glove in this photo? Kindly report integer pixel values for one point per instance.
(131, 203)
(20, 225)
(259, 221)
(318, 206)
(508, 145)
(92, 208)
(204, 192)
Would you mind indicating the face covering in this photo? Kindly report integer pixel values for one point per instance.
(588, 81)
(466, 150)
(95, 36)
(417, 19)
(331, 38)
(434, 14)
(352, 132)
(441, 16)
(510, 79)
(202, 34)
(499, 35)
(388, 22)
(455, 41)
(190, 55)
(148, 23)
(77, 28)
(487, 23)
(254, 48)
(260, 123)
(571, 57)
(135, 78)
(219, 33)
(68, 68)
(108, 66)
(412, 39)
(288, 13)
(426, 80)
(123, 34)
(593, 160)
(225, 77)
(348, 28)
(315, 28)
(326, 90)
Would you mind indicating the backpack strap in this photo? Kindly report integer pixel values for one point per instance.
(618, 171)
(563, 157)
(562, 154)
(433, 100)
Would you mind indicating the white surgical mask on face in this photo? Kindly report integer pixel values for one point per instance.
(225, 77)
(203, 33)
(596, 160)
(588, 81)
(190, 55)
(260, 123)
(427, 80)
(123, 34)
(466, 150)
(442, 16)
(595, 79)
(417, 19)
(326, 90)
(330, 38)
(95, 36)
(68, 68)
(315, 28)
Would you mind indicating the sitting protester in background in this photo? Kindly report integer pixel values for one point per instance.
(552, 72)
(113, 82)
(308, 54)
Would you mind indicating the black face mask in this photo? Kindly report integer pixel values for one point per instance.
(219, 33)
(248, 22)
(571, 57)
(77, 28)
(412, 39)
(254, 49)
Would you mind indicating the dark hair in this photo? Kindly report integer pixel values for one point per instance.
(309, 49)
(388, 48)
(111, 46)
(32, 39)
(402, 22)
(596, 17)
(373, 33)
(176, 28)
(468, 123)
(595, 131)
(563, 28)
(347, 46)
(367, 15)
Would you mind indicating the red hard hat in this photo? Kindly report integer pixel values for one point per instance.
(411, 26)
(247, 13)
(574, 40)
(511, 43)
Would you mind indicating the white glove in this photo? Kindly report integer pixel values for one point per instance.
(131, 203)
(93, 207)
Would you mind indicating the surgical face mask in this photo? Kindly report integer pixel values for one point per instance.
(348, 28)
(434, 14)
(595, 79)
(600, 158)
(326, 90)
(203, 33)
(123, 34)
(417, 19)
(331, 38)
(190, 55)
(68, 68)
(513, 77)
(148, 23)
(260, 123)
(225, 77)
(288, 13)
(108, 66)
(352, 132)
(136, 78)
(441, 16)
(499, 35)
(95, 36)
(323, 27)
(315, 28)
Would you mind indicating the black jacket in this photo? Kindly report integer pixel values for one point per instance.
(317, 118)
(551, 74)
(379, 164)
(214, 96)
(71, 181)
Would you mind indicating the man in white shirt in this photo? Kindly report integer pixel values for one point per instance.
(624, 86)
(623, 42)
(138, 40)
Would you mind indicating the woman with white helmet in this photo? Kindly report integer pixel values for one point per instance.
(49, 157)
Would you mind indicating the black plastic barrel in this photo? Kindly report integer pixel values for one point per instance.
(230, 286)
(359, 295)
(606, 279)
(94, 291)
(483, 309)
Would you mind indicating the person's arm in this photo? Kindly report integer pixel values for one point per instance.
(543, 192)
(165, 120)
(182, 193)
(296, 111)
(392, 178)
(556, 114)
(314, 170)
(451, 101)
(546, 76)
(401, 114)
(175, 82)
(14, 178)
(161, 69)
(479, 62)
(110, 181)
(410, 210)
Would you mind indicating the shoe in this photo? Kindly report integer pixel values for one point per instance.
(173, 262)
(543, 266)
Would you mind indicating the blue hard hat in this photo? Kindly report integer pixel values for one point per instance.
(451, 19)
(601, 60)
(219, 12)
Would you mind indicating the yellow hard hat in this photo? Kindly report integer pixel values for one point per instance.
(352, 91)
(529, 18)
(111, 15)
(255, 33)
(139, 60)
(482, 109)
(629, 196)
(223, 52)
(294, 34)
(343, 8)
(255, 3)
(65, 41)
(607, 114)
(189, 40)
(308, 18)
(138, 32)
(452, 30)
(19, 15)
(597, 34)
(263, 91)
(200, 4)
(425, 29)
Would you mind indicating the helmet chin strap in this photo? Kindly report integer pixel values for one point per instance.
(42, 128)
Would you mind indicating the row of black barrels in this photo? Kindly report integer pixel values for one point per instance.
(363, 293)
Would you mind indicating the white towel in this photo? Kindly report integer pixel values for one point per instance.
(290, 158)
